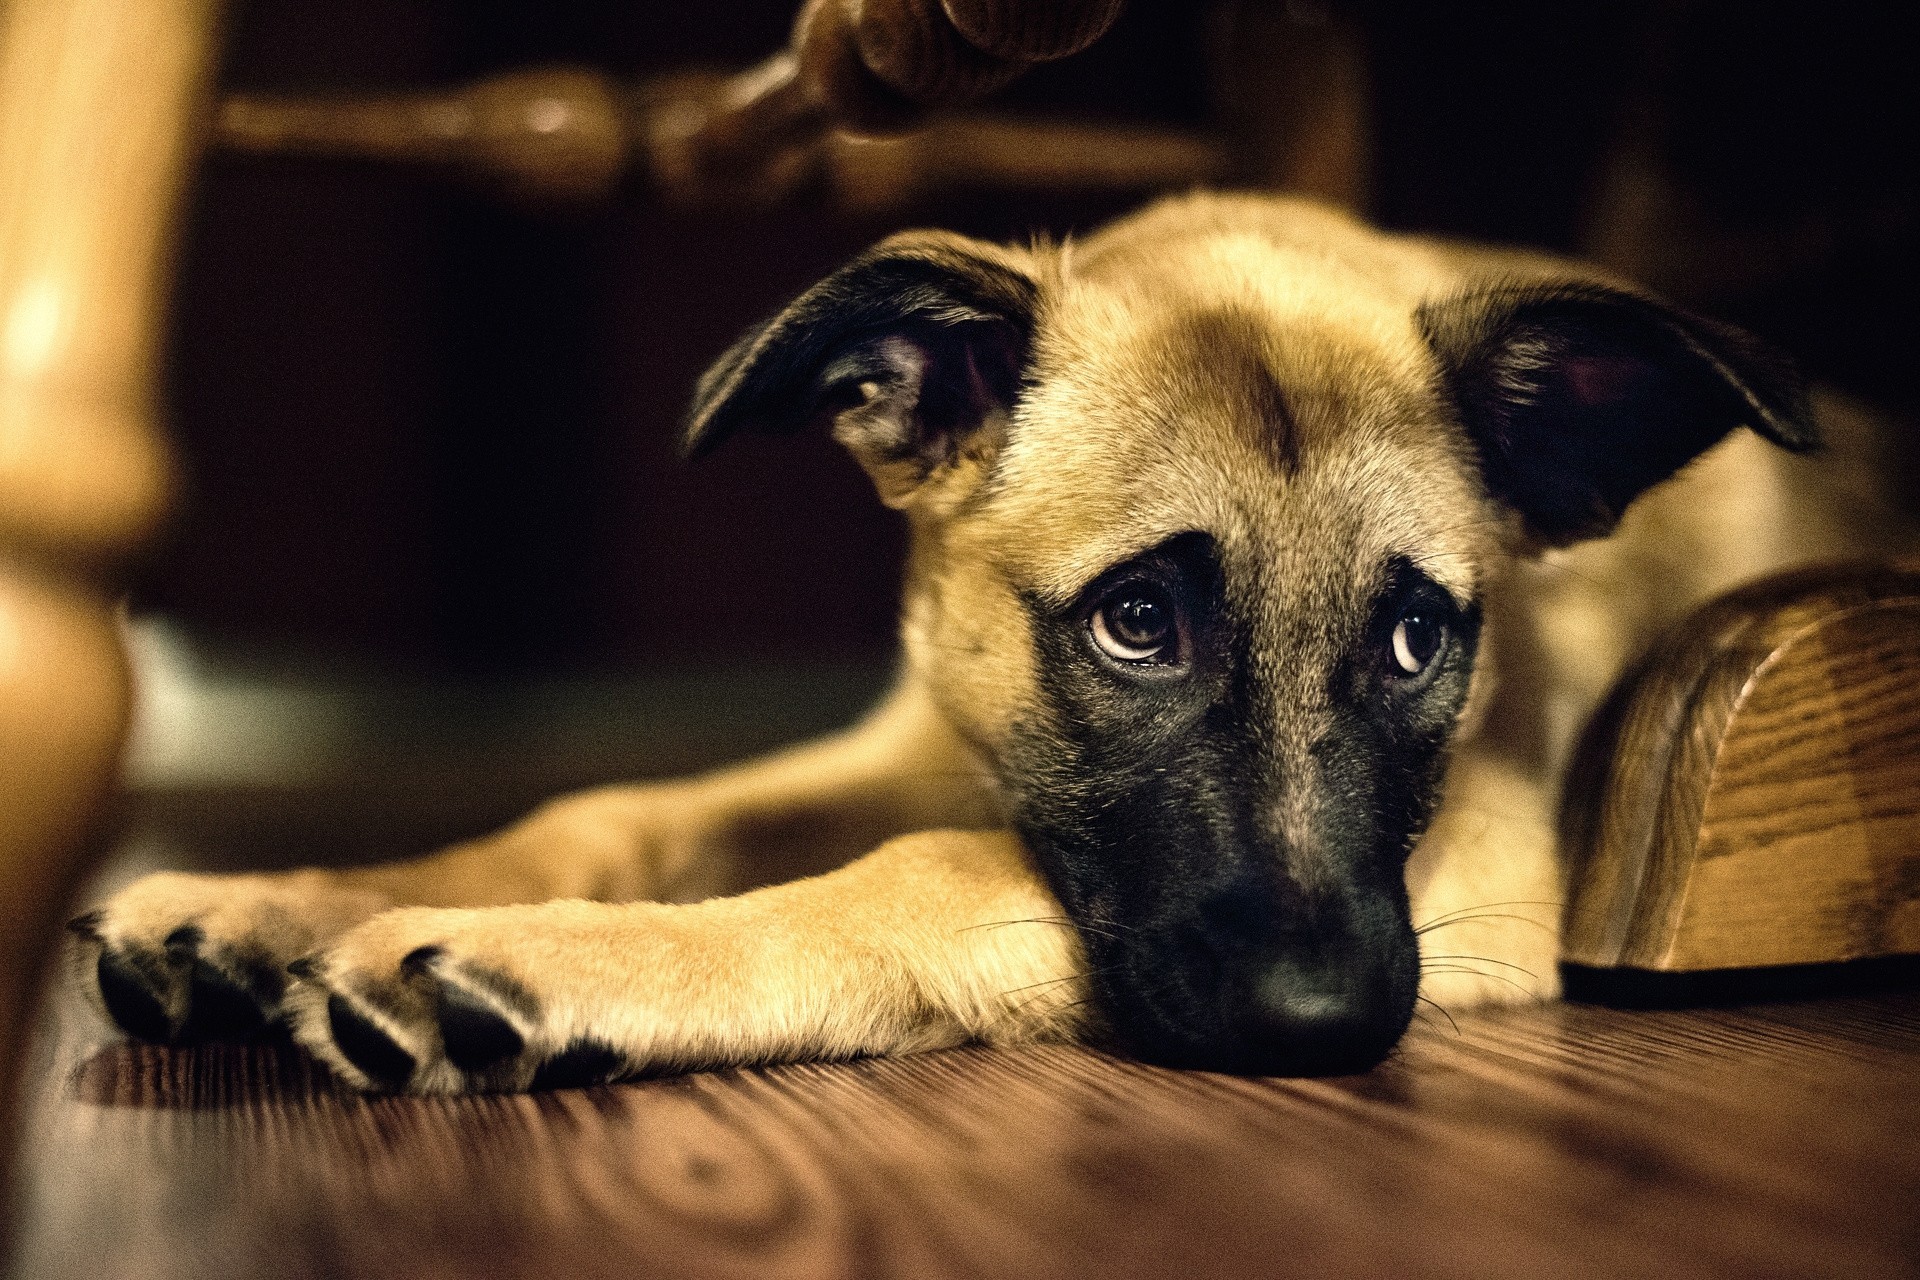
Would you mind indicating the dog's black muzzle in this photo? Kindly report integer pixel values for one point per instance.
(1256, 984)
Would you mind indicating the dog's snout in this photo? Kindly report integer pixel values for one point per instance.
(1270, 990)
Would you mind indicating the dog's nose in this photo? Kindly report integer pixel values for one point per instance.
(1303, 1018)
(1297, 1001)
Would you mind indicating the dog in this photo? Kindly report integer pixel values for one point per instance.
(1262, 571)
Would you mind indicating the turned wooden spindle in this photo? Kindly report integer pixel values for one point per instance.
(854, 71)
(913, 49)
(872, 66)
(99, 103)
(564, 136)
(550, 132)
(860, 59)
(1751, 796)
(1026, 31)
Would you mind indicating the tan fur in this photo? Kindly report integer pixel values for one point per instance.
(1161, 347)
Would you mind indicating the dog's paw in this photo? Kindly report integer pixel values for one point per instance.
(179, 958)
(427, 1000)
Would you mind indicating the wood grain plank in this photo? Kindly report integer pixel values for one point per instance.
(1751, 797)
(1816, 801)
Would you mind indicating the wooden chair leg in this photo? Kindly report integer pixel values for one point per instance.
(99, 102)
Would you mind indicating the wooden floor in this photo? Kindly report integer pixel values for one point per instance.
(1559, 1141)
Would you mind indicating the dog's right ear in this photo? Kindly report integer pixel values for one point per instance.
(1580, 397)
(909, 351)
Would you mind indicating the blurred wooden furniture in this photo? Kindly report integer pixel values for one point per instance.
(843, 112)
(571, 134)
(1751, 797)
(99, 100)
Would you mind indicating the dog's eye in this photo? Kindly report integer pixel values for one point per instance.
(1137, 624)
(1418, 638)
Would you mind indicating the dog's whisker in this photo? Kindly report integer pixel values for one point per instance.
(1051, 984)
(1505, 964)
(1063, 922)
(1001, 924)
(1567, 570)
(1486, 906)
(1443, 1012)
(1073, 1004)
(1481, 973)
(1423, 930)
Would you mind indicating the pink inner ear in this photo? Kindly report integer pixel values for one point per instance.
(882, 422)
(1602, 379)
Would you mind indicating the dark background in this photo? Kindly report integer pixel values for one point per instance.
(437, 429)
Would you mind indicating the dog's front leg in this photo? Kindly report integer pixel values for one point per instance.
(179, 956)
(934, 939)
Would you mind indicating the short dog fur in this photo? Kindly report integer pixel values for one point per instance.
(1259, 581)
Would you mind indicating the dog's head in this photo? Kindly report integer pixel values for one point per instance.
(1202, 512)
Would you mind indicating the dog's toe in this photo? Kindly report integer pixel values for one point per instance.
(419, 1023)
(580, 1064)
(364, 1043)
(185, 993)
(475, 1035)
(371, 1030)
(220, 1007)
(180, 958)
(408, 1003)
(136, 992)
(484, 1020)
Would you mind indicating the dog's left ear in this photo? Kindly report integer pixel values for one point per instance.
(1581, 397)
(908, 352)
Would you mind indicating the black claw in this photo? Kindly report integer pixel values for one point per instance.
(131, 999)
(303, 968)
(87, 924)
(219, 1008)
(420, 960)
(184, 942)
(472, 1033)
(582, 1063)
(265, 980)
(368, 1047)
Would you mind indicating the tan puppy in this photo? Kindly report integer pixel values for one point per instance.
(1225, 585)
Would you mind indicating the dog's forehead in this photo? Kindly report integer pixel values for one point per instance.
(1293, 417)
